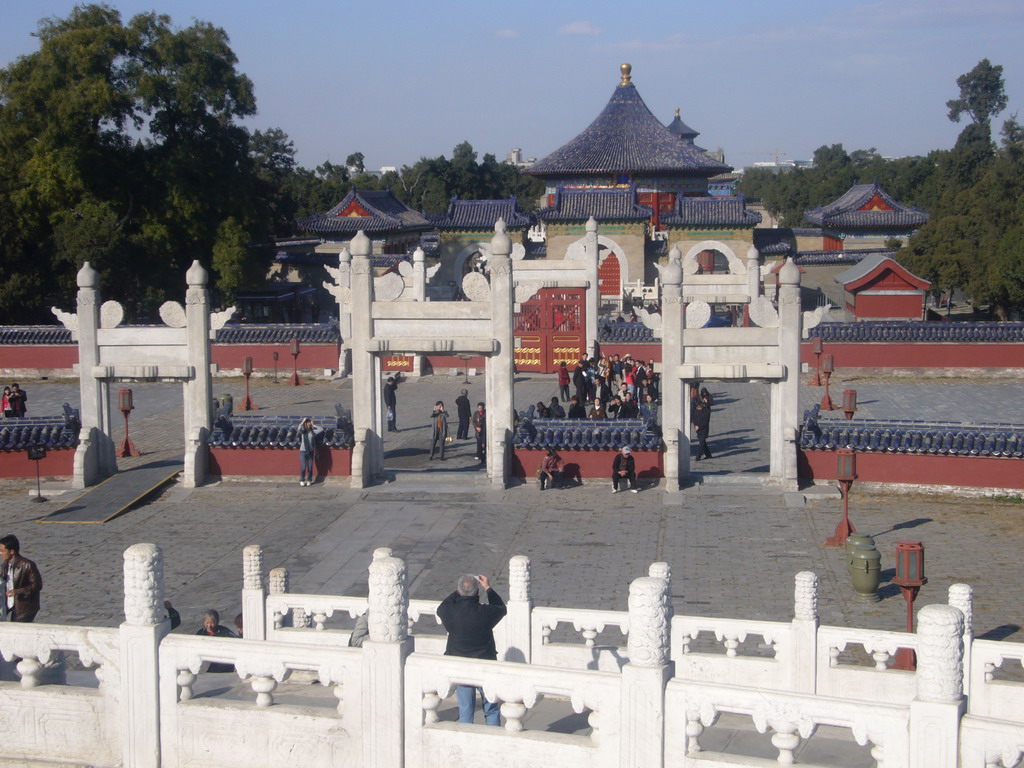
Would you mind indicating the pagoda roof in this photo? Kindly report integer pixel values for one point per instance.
(366, 210)
(871, 267)
(866, 206)
(717, 211)
(614, 204)
(626, 137)
(481, 214)
(681, 129)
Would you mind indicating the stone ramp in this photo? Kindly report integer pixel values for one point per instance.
(118, 493)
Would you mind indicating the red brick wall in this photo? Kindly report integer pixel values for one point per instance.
(914, 469)
(58, 463)
(918, 355)
(588, 465)
(276, 462)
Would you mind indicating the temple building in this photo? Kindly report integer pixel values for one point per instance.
(648, 187)
(391, 225)
(864, 217)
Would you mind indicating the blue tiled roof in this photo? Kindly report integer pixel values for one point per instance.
(826, 258)
(627, 137)
(681, 129)
(843, 213)
(306, 333)
(35, 334)
(904, 331)
(387, 214)
(255, 431)
(481, 215)
(624, 333)
(717, 211)
(773, 241)
(603, 204)
(587, 434)
(45, 431)
(913, 437)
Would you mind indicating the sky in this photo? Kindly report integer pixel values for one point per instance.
(762, 79)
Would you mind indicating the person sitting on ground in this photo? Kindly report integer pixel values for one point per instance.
(555, 409)
(213, 628)
(597, 411)
(576, 411)
(550, 471)
(542, 411)
(624, 470)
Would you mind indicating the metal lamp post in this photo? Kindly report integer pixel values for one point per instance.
(247, 404)
(465, 361)
(849, 402)
(846, 473)
(817, 347)
(910, 578)
(828, 366)
(126, 406)
(294, 348)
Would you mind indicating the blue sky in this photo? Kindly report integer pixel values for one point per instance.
(399, 80)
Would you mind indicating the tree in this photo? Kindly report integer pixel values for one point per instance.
(982, 95)
(355, 162)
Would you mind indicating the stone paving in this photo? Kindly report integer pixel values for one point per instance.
(733, 548)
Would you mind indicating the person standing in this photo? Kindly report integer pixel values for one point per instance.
(17, 400)
(624, 470)
(480, 427)
(563, 381)
(470, 627)
(702, 423)
(22, 582)
(307, 450)
(464, 410)
(391, 403)
(5, 404)
(439, 429)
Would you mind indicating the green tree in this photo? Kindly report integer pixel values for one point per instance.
(982, 95)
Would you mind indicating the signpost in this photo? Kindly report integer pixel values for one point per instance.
(37, 453)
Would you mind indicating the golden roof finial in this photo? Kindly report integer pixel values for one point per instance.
(625, 69)
(677, 111)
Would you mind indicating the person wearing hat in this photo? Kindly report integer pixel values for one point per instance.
(623, 470)
(464, 410)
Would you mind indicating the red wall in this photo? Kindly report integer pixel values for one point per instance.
(58, 463)
(38, 356)
(276, 462)
(918, 355)
(874, 306)
(914, 469)
(446, 362)
(587, 465)
(638, 351)
(311, 356)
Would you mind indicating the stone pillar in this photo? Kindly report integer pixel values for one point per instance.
(384, 654)
(367, 456)
(753, 273)
(785, 406)
(518, 640)
(675, 425)
(94, 457)
(593, 296)
(961, 596)
(500, 365)
(936, 710)
(644, 678)
(344, 282)
(419, 293)
(802, 653)
(254, 603)
(144, 626)
(198, 390)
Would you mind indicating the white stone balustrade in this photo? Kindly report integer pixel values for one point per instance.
(880, 682)
(588, 624)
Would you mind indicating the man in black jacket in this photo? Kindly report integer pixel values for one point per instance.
(624, 471)
(21, 580)
(391, 403)
(702, 423)
(465, 410)
(470, 626)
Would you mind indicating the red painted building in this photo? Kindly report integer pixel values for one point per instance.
(880, 288)
(864, 211)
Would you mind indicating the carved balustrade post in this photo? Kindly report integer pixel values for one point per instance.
(384, 653)
(936, 710)
(144, 627)
(254, 599)
(645, 676)
(962, 596)
(801, 653)
(515, 631)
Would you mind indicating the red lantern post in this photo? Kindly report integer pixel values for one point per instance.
(247, 404)
(849, 402)
(294, 349)
(828, 365)
(846, 473)
(126, 406)
(817, 347)
(910, 578)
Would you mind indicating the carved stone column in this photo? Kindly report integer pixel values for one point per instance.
(645, 676)
(344, 282)
(94, 457)
(384, 654)
(592, 258)
(785, 408)
(367, 456)
(961, 596)
(500, 365)
(144, 626)
(675, 426)
(254, 602)
(198, 390)
(801, 654)
(516, 627)
(936, 711)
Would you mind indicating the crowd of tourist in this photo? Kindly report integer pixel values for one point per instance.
(609, 387)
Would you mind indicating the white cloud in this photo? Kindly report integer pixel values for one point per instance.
(508, 34)
(580, 28)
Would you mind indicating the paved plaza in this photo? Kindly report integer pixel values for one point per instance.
(732, 546)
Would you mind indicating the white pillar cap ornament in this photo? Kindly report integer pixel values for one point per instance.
(591, 224)
(361, 247)
(88, 277)
(790, 273)
(501, 243)
(196, 276)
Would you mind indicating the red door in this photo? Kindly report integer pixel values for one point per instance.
(609, 277)
(551, 327)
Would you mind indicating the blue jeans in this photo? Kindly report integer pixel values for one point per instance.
(305, 466)
(466, 696)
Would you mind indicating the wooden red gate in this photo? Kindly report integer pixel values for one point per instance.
(551, 327)
(609, 277)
